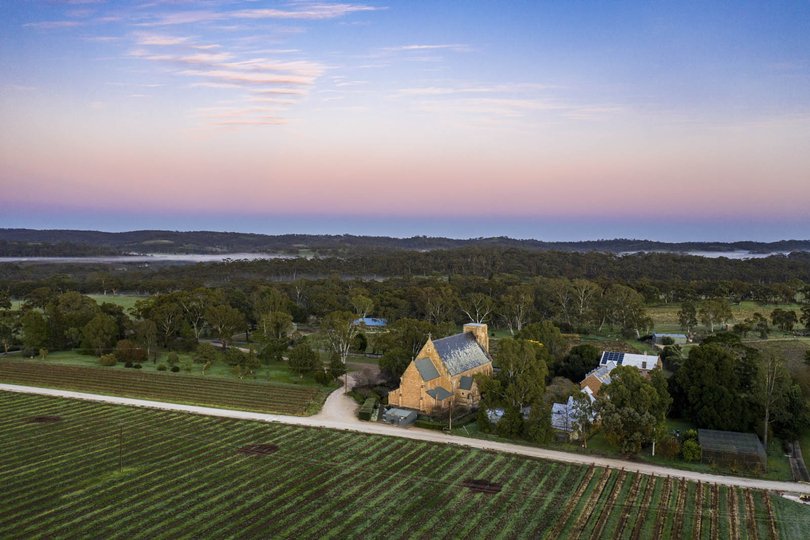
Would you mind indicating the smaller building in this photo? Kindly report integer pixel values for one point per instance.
(732, 449)
(564, 416)
(399, 417)
(595, 379)
(642, 362)
(677, 339)
(371, 322)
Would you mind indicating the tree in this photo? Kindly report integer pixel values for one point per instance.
(164, 313)
(774, 377)
(34, 330)
(583, 416)
(583, 296)
(715, 311)
(362, 305)
(9, 328)
(438, 302)
(760, 324)
(623, 307)
(146, 335)
(518, 383)
(515, 306)
(477, 307)
(719, 380)
(339, 329)
(303, 360)
(273, 334)
(687, 316)
(632, 408)
(194, 304)
(549, 335)
(784, 319)
(225, 321)
(100, 333)
(578, 362)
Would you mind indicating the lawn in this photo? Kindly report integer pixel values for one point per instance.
(81, 469)
(250, 395)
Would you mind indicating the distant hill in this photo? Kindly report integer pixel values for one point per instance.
(32, 242)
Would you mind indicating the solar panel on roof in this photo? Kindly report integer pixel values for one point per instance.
(610, 356)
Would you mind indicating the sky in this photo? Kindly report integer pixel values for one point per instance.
(575, 120)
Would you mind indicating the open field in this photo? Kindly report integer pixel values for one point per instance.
(174, 387)
(74, 468)
(126, 301)
(665, 317)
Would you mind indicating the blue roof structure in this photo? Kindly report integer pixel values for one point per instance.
(371, 322)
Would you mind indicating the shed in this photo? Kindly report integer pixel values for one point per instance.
(400, 417)
(732, 448)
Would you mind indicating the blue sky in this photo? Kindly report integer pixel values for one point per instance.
(560, 120)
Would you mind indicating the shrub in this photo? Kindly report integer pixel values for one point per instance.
(108, 360)
(323, 377)
(173, 359)
(175, 369)
(691, 450)
(691, 434)
(185, 364)
(161, 367)
(669, 447)
(137, 366)
(129, 351)
(367, 409)
(128, 365)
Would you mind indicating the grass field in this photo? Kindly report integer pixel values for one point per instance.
(665, 317)
(173, 387)
(124, 300)
(81, 469)
(278, 372)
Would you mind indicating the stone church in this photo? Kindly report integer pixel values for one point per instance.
(442, 372)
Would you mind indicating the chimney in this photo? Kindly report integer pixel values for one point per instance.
(480, 332)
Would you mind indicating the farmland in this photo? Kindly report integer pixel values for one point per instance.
(194, 390)
(74, 468)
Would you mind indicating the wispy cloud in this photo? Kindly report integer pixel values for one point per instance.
(299, 12)
(52, 25)
(456, 47)
(498, 102)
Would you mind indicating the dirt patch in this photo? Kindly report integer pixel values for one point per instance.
(257, 449)
(48, 419)
(482, 486)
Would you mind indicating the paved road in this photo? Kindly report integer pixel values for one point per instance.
(332, 418)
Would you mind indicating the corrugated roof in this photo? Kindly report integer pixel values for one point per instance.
(466, 382)
(426, 369)
(460, 353)
(440, 393)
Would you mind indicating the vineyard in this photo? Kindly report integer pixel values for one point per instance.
(81, 469)
(243, 395)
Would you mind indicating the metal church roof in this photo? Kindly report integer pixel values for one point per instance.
(461, 352)
(426, 369)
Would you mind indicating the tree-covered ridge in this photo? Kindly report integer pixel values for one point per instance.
(156, 241)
